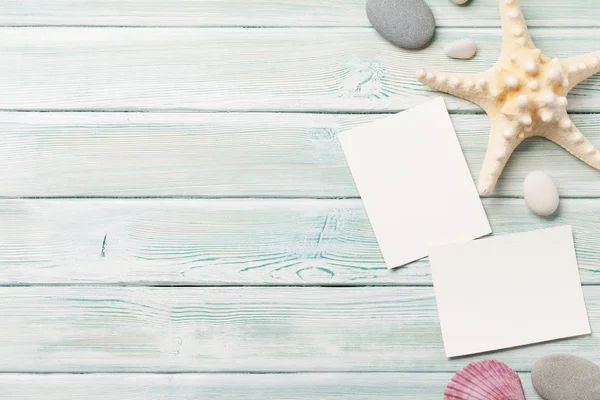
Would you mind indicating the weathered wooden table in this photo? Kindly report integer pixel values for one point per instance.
(177, 220)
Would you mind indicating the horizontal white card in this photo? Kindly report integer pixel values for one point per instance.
(414, 182)
(508, 291)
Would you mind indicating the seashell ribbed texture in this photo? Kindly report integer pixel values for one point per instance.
(485, 380)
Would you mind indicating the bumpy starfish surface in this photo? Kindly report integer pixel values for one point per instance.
(523, 95)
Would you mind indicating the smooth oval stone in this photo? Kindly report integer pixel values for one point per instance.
(459, 2)
(463, 49)
(566, 377)
(409, 24)
(541, 194)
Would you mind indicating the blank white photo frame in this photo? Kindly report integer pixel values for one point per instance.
(414, 182)
(508, 291)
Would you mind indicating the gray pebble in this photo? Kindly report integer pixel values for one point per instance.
(409, 24)
(566, 377)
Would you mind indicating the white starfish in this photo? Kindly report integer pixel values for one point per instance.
(524, 94)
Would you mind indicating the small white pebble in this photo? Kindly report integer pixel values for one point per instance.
(518, 31)
(562, 101)
(514, 14)
(420, 74)
(462, 49)
(541, 194)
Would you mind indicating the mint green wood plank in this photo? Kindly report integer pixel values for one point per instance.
(303, 386)
(241, 329)
(232, 154)
(266, 13)
(320, 69)
(233, 242)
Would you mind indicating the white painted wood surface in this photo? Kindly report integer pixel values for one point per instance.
(232, 154)
(233, 242)
(288, 13)
(235, 329)
(199, 55)
(238, 69)
(302, 386)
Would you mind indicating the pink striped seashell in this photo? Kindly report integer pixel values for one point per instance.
(485, 380)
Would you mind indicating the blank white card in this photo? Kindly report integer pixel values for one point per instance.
(508, 291)
(414, 182)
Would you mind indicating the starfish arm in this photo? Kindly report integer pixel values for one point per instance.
(571, 139)
(580, 68)
(471, 87)
(515, 34)
(502, 142)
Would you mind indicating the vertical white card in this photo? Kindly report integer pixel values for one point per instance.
(508, 291)
(414, 182)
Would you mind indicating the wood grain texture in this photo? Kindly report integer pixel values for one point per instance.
(241, 329)
(232, 154)
(233, 242)
(241, 242)
(302, 386)
(268, 13)
(233, 69)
